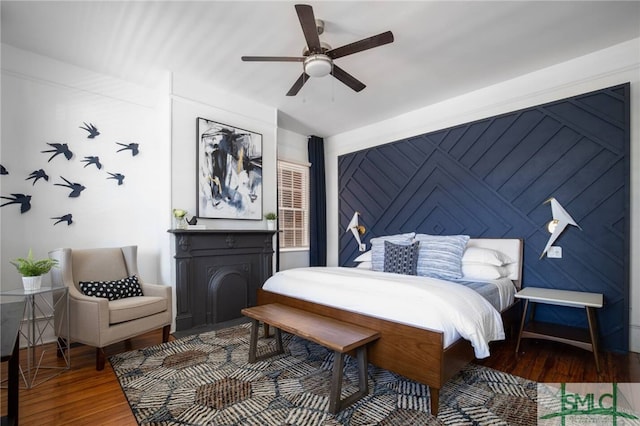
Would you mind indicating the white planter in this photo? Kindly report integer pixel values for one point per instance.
(32, 283)
(271, 225)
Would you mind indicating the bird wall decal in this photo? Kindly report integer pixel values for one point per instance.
(3, 170)
(561, 219)
(65, 218)
(59, 148)
(76, 188)
(117, 176)
(22, 199)
(92, 160)
(134, 147)
(93, 130)
(38, 174)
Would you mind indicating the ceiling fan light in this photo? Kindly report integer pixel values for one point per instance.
(317, 65)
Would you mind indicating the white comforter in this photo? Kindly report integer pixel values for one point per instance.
(418, 301)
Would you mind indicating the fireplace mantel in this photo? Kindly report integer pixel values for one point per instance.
(218, 273)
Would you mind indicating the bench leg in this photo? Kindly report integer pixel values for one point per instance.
(253, 343)
(335, 403)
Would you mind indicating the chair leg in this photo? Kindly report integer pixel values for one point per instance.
(63, 345)
(100, 359)
(166, 330)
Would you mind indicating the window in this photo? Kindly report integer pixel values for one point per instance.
(293, 202)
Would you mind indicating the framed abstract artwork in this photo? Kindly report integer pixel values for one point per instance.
(229, 171)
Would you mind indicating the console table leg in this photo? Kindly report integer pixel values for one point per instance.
(522, 322)
(593, 331)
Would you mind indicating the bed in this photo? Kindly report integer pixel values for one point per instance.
(415, 351)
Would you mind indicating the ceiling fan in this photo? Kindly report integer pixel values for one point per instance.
(318, 57)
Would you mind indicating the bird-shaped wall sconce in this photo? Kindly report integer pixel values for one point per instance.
(93, 130)
(357, 230)
(561, 219)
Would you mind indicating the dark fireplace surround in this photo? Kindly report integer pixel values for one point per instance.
(218, 272)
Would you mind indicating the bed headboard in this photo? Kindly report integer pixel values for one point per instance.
(512, 247)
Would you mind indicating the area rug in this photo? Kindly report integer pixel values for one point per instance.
(205, 379)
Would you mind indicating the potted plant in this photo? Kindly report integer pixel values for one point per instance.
(271, 220)
(32, 270)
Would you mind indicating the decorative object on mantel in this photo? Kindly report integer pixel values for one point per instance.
(38, 174)
(76, 188)
(357, 230)
(228, 171)
(561, 219)
(271, 220)
(65, 218)
(93, 130)
(133, 147)
(22, 199)
(59, 148)
(3, 170)
(32, 270)
(180, 219)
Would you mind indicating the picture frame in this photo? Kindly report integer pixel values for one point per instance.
(229, 171)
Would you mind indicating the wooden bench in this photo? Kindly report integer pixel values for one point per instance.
(339, 336)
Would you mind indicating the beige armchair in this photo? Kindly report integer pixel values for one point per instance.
(97, 321)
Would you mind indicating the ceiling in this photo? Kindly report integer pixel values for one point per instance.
(442, 48)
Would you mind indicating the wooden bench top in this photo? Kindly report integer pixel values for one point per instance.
(331, 333)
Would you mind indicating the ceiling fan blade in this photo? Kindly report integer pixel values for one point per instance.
(273, 58)
(347, 78)
(298, 84)
(308, 24)
(359, 46)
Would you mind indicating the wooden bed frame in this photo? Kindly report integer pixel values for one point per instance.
(413, 352)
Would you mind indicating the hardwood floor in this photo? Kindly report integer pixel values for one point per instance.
(84, 396)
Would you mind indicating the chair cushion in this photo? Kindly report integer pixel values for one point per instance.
(131, 308)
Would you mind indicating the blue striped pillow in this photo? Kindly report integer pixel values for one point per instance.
(440, 256)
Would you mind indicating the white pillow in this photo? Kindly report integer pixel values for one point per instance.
(485, 255)
(364, 257)
(483, 271)
(364, 265)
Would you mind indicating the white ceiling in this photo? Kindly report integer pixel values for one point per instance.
(441, 49)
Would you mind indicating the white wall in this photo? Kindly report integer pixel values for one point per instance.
(47, 101)
(615, 65)
(293, 147)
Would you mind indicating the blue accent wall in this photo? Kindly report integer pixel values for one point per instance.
(490, 178)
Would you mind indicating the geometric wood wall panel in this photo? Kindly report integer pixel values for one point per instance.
(489, 178)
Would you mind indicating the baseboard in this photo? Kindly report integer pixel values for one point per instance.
(634, 338)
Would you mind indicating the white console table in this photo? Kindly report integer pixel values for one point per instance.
(41, 308)
(581, 338)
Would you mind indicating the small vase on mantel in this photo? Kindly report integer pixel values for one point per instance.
(271, 225)
(181, 223)
(180, 219)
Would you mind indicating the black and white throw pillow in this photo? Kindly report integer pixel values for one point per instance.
(112, 290)
(401, 259)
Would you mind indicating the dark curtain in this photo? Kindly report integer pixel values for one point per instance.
(317, 204)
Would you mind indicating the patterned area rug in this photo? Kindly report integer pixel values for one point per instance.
(206, 380)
